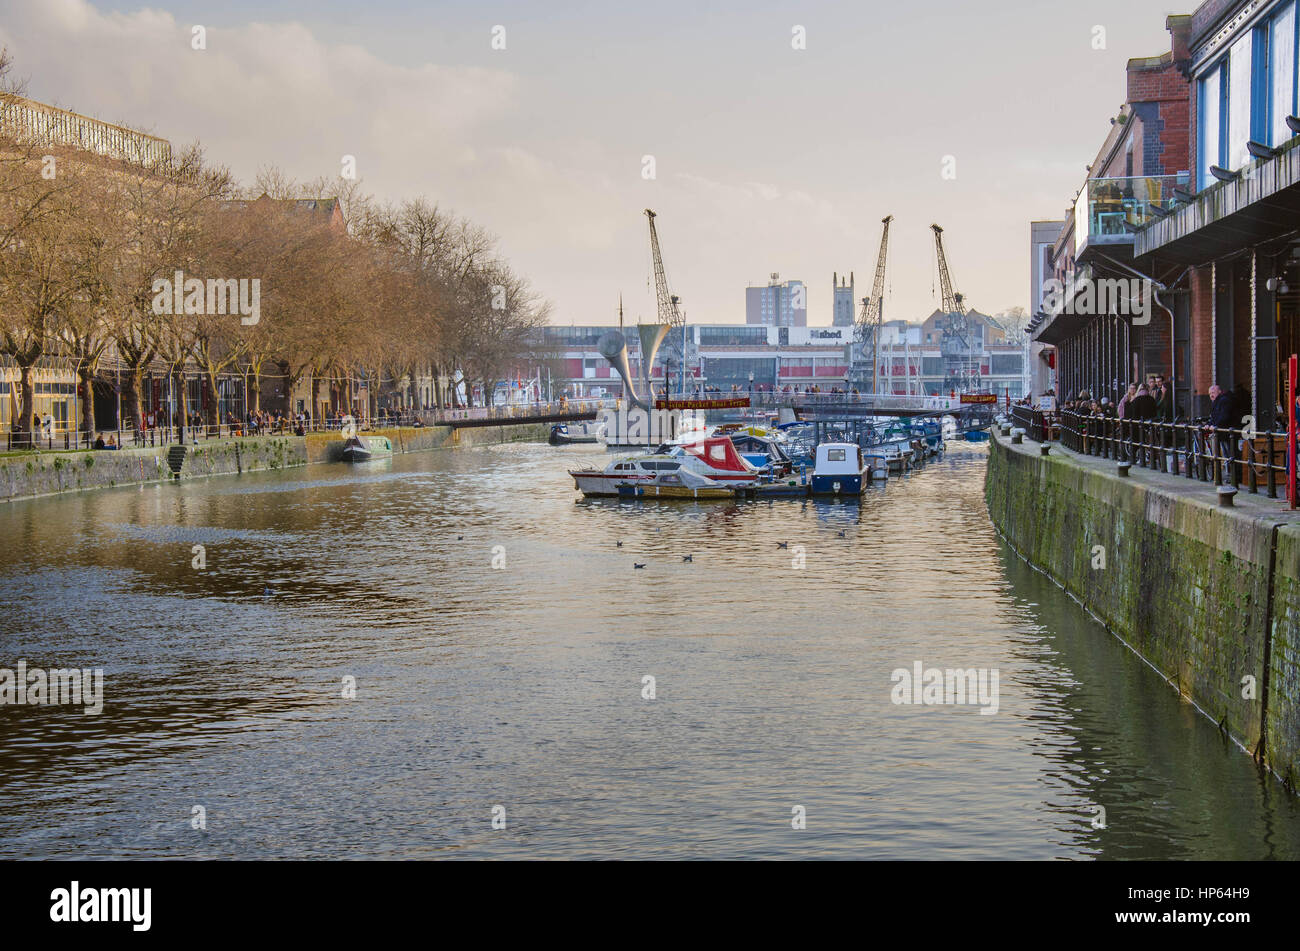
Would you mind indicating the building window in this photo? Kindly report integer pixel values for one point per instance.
(736, 336)
(1212, 100)
(1240, 83)
(1282, 92)
(1007, 364)
(1248, 94)
(1259, 84)
(726, 373)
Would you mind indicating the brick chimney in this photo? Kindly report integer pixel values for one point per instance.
(1180, 32)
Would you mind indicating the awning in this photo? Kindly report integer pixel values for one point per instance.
(1056, 325)
(1061, 328)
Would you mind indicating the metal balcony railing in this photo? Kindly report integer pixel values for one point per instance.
(1110, 210)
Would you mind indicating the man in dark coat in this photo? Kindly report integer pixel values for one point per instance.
(1164, 398)
(1223, 417)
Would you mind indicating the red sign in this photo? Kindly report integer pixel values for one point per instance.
(1292, 490)
(980, 398)
(737, 403)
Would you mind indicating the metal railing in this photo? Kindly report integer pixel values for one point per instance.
(1195, 449)
(70, 440)
(75, 440)
(1040, 426)
(559, 407)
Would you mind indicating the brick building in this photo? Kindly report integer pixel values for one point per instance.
(1142, 166)
(1209, 134)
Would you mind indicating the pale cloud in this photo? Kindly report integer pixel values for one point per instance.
(543, 145)
(260, 93)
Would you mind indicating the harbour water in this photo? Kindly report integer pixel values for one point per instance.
(523, 686)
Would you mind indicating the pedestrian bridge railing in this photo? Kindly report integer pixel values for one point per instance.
(521, 412)
(881, 402)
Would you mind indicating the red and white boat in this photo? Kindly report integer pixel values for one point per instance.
(715, 457)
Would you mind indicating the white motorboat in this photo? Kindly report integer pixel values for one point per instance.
(715, 458)
(840, 469)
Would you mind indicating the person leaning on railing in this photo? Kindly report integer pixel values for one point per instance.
(1221, 420)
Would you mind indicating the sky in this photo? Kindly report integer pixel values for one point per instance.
(766, 157)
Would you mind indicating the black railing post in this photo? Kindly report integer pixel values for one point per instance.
(1252, 477)
(1272, 482)
(1234, 471)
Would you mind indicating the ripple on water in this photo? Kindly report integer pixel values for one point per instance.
(522, 685)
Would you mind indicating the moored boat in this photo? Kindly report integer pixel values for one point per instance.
(679, 484)
(714, 458)
(840, 469)
(561, 435)
(354, 450)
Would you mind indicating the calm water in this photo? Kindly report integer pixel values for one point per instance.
(522, 687)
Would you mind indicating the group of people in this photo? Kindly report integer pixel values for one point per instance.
(158, 419)
(1231, 414)
(1151, 400)
(263, 422)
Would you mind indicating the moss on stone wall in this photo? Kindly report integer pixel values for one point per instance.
(1184, 582)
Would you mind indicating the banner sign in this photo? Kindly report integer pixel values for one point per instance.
(980, 398)
(737, 403)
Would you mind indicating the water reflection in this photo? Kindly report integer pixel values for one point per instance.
(523, 686)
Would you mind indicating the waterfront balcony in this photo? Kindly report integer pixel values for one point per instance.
(1110, 211)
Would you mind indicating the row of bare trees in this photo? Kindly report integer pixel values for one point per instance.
(402, 291)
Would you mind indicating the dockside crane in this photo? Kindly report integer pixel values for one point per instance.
(869, 321)
(668, 310)
(955, 343)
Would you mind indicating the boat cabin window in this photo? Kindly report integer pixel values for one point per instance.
(671, 480)
(834, 455)
(718, 452)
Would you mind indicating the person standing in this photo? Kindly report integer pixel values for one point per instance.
(1222, 411)
(1121, 411)
(1142, 406)
(1141, 409)
(1164, 398)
